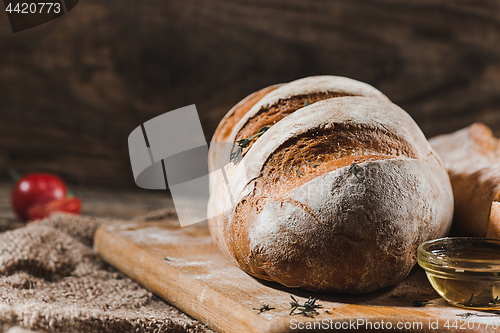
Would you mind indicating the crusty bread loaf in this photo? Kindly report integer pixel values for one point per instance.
(472, 157)
(335, 196)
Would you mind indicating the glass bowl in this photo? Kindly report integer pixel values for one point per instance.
(465, 271)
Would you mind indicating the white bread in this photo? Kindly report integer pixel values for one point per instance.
(334, 196)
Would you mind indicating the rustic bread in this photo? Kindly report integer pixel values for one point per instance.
(335, 196)
(472, 157)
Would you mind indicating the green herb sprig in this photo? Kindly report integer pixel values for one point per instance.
(308, 309)
(243, 143)
(263, 307)
(353, 168)
(469, 302)
(494, 301)
(470, 314)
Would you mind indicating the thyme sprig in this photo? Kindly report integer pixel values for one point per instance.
(494, 301)
(470, 314)
(469, 302)
(308, 309)
(243, 143)
(263, 307)
(353, 168)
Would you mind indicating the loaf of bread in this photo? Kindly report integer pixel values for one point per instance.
(472, 157)
(329, 187)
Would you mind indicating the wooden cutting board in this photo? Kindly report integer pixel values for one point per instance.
(182, 266)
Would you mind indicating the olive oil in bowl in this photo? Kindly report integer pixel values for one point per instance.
(465, 271)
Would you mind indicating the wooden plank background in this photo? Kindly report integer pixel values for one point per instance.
(72, 90)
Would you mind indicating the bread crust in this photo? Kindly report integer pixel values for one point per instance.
(335, 196)
(472, 157)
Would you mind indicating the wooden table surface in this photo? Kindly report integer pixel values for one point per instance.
(199, 279)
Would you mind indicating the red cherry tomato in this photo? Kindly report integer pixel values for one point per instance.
(67, 205)
(34, 189)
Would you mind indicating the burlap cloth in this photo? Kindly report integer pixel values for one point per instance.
(52, 281)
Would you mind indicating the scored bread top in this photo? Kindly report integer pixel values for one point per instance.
(310, 87)
(237, 112)
(332, 133)
(290, 97)
(269, 105)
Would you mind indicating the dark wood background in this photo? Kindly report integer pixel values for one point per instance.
(73, 89)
